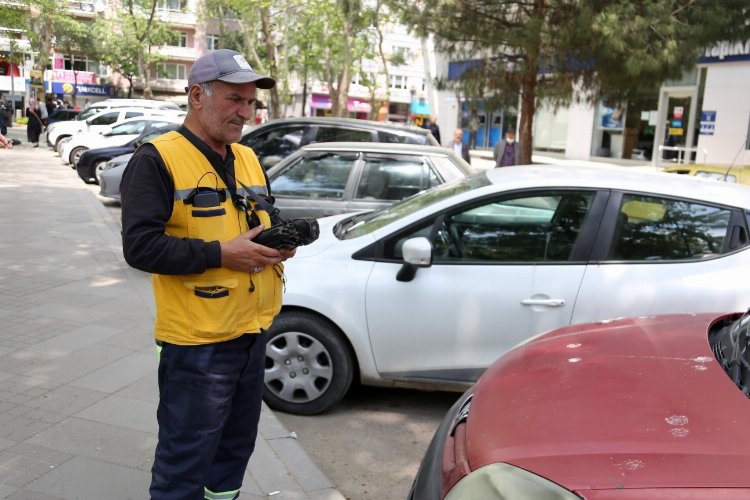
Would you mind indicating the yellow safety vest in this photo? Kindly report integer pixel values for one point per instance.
(219, 304)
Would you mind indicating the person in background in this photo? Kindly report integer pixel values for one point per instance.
(506, 152)
(35, 124)
(458, 146)
(191, 207)
(3, 116)
(432, 126)
(473, 128)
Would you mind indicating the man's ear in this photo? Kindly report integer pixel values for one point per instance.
(196, 96)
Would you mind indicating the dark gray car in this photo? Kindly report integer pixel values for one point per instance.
(334, 178)
(277, 139)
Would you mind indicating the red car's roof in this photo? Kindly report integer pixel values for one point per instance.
(636, 403)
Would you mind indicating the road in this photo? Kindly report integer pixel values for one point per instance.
(371, 444)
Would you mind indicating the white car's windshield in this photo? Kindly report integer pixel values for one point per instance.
(365, 223)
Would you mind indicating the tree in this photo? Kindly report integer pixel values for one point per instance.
(543, 49)
(71, 37)
(126, 41)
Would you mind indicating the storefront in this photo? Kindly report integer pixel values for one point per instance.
(320, 105)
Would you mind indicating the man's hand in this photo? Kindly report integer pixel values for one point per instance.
(242, 254)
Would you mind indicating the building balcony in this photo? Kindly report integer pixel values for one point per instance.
(178, 19)
(180, 54)
(162, 85)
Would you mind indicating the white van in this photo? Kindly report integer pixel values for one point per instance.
(100, 120)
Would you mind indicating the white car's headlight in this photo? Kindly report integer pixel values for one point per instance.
(51, 127)
(498, 481)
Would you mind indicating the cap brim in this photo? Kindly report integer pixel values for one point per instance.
(260, 81)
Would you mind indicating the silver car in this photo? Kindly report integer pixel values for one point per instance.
(332, 178)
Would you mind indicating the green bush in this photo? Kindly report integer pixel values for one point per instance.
(22, 120)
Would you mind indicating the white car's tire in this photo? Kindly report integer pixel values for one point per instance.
(309, 367)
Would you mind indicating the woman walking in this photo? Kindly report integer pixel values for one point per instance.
(35, 124)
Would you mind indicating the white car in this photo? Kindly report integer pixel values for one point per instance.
(115, 135)
(435, 288)
(100, 121)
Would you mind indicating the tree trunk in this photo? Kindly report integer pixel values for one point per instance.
(340, 97)
(528, 85)
(265, 19)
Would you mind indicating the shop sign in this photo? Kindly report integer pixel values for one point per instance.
(726, 52)
(36, 79)
(81, 89)
(676, 131)
(66, 75)
(708, 122)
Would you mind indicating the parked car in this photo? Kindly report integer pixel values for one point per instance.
(277, 139)
(62, 115)
(111, 176)
(100, 121)
(649, 407)
(431, 290)
(333, 178)
(99, 106)
(735, 174)
(117, 134)
(93, 161)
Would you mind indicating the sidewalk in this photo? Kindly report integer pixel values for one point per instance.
(78, 389)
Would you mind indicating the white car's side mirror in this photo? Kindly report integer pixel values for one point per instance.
(417, 253)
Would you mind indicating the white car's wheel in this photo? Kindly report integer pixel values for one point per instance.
(75, 155)
(309, 367)
(59, 144)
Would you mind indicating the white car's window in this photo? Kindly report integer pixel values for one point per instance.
(315, 177)
(650, 228)
(129, 128)
(394, 178)
(106, 118)
(541, 227)
(133, 114)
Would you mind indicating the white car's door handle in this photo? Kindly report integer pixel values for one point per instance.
(544, 302)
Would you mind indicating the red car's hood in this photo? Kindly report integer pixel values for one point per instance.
(636, 403)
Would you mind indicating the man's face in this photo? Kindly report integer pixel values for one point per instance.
(224, 113)
(457, 136)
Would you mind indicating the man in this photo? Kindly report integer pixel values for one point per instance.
(506, 152)
(432, 126)
(189, 217)
(458, 146)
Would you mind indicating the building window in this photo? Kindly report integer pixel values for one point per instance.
(172, 5)
(212, 42)
(182, 40)
(171, 71)
(398, 82)
(79, 63)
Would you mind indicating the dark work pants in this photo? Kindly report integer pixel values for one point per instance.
(209, 407)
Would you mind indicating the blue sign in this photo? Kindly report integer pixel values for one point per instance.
(677, 123)
(81, 89)
(708, 122)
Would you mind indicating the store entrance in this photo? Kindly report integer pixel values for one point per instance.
(676, 131)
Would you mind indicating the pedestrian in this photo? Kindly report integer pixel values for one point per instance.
(473, 128)
(34, 125)
(432, 126)
(458, 146)
(506, 152)
(191, 206)
(3, 116)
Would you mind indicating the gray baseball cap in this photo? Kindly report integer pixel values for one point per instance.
(228, 66)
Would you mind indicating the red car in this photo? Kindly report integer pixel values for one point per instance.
(639, 408)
